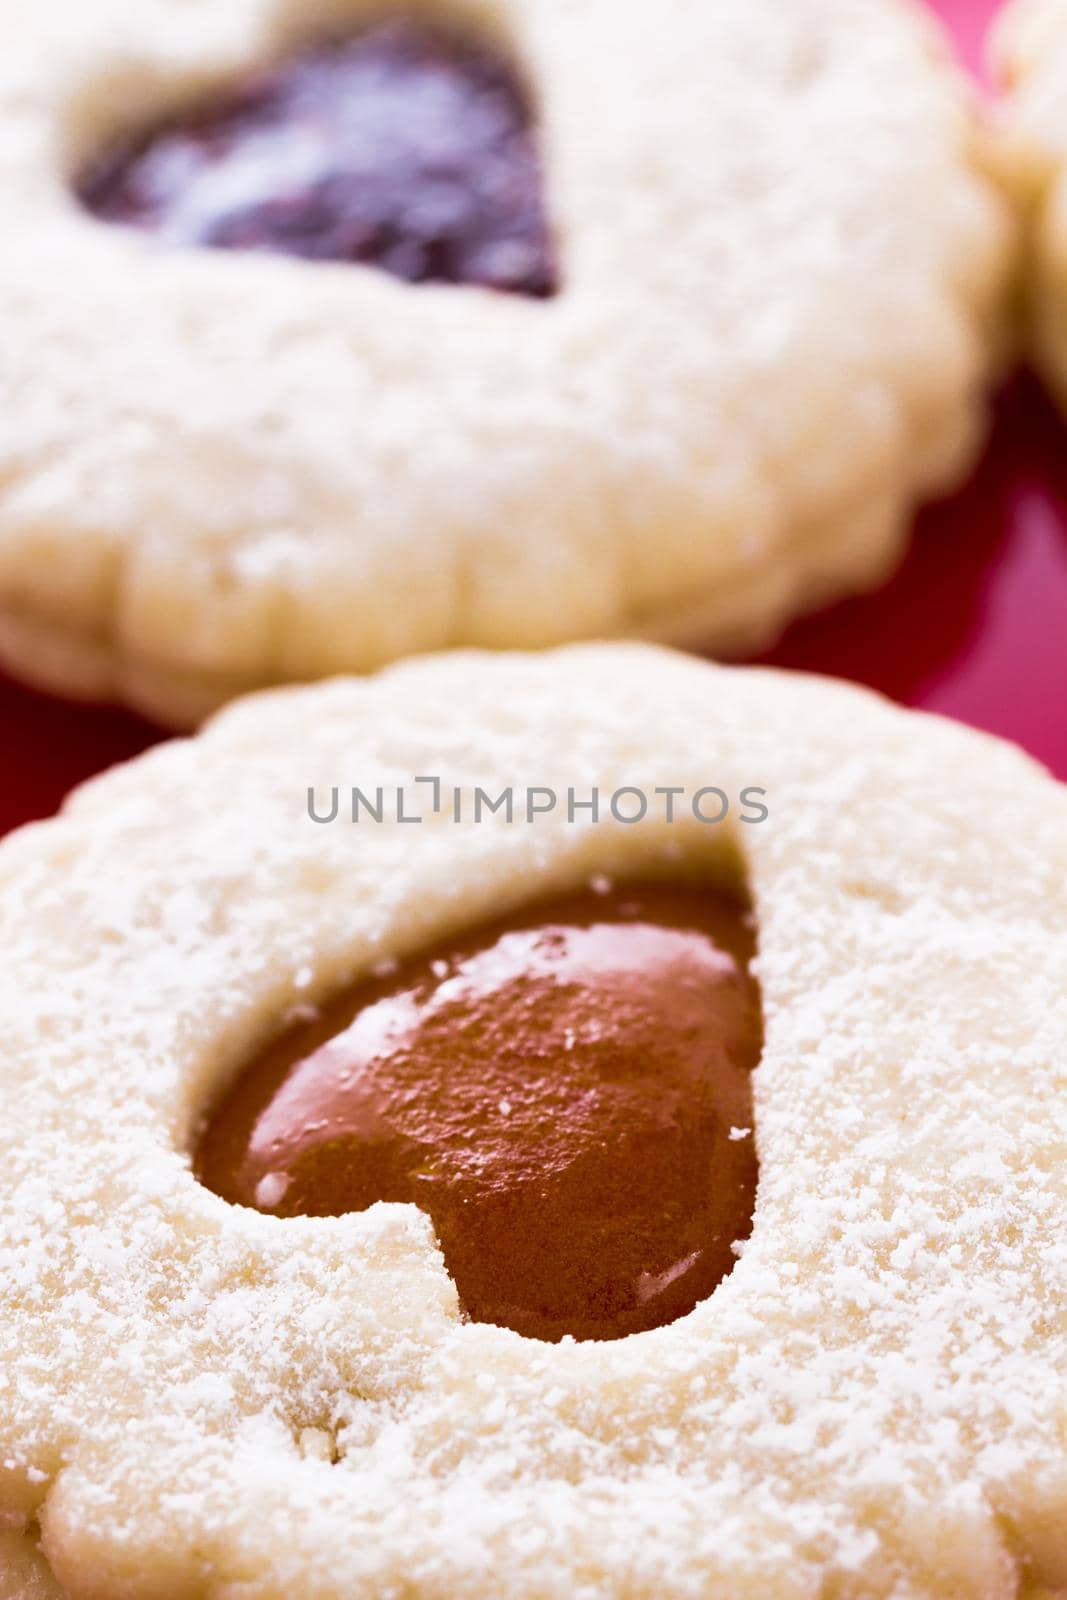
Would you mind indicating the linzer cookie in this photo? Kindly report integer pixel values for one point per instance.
(587, 1124)
(328, 339)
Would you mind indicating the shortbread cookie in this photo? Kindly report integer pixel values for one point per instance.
(228, 1006)
(1031, 54)
(744, 280)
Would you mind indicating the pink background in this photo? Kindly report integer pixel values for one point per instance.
(974, 625)
(969, 21)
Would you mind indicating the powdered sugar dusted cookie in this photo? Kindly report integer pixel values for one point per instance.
(579, 325)
(227, 1006)
(1031, 53)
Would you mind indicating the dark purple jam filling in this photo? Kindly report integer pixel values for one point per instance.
(402, 148)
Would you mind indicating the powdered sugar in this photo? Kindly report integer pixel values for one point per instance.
(201, 1401)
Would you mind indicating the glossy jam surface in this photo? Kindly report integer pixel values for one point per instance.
(567, 1094)
(400, 148)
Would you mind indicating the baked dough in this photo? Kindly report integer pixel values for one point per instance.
(872, 1405)
(1031, 56)
(782, 272)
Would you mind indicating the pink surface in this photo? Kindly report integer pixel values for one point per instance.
(974, 626)
(969, 21)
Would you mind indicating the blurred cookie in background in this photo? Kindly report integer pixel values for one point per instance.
(322, 347)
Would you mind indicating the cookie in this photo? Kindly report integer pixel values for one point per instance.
(728, 293)
(1030, 54)
(250, 982)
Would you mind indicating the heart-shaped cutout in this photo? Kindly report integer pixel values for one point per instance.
(566, 1093)
(403, 147)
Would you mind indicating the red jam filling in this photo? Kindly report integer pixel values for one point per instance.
(402, 148)
(566, 1094)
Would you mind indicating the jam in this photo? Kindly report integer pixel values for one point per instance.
(566, 1093)
(402, 148)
